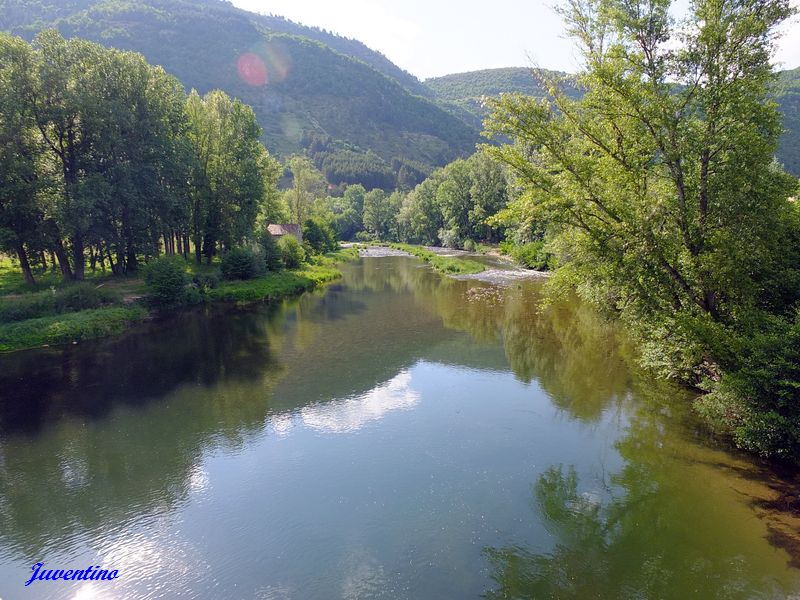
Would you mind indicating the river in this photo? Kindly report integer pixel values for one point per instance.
(397, 434)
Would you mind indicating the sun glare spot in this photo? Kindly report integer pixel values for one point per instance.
(252, 69)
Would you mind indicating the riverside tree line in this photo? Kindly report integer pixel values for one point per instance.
(104, 159)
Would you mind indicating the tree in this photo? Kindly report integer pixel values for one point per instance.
(307, 185)
(233, 176)
(659, 185)
(20, 155)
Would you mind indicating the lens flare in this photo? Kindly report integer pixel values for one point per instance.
(267, 62)
(252, 69)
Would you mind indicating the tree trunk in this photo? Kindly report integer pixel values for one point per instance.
(132, 264)
(77, 255)
(24, 264)
(63, 260)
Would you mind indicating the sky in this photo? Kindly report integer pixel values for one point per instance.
(436, 37)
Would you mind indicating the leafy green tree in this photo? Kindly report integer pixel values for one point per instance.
(20, 155)
(659, 185)
(273, 258)
(319, 236)
(381, 212)
(307, 185)
(233, 175)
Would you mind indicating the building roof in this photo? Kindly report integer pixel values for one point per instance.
(284, 229)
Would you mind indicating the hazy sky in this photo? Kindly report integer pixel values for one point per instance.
(437, 37)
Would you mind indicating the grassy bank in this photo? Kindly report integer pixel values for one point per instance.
(73, 312)
(275, 285)
(69, 327)
(448, 265)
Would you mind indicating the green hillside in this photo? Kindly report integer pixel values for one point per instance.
(462, 93)
(788, 96)
(302, 82)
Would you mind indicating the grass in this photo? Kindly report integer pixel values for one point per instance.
(56, 312)
(275, 285)
(69, 327)
(285, 283)
(448, 265)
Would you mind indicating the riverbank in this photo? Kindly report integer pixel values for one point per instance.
(109, 306)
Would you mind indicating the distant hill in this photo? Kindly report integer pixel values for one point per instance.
(303, 83)
(462, 94)
(788, 97)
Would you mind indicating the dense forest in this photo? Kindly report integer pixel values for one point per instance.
(104, 156)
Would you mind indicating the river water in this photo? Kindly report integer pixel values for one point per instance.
(397, 434)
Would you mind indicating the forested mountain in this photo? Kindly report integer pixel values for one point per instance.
(788, 96)
(303, 83)
(462, 93)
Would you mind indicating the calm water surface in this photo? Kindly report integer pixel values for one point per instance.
(396, 435)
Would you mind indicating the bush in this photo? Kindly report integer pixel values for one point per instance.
(205, 282)
(365, 237)
(756, 398)
(71, 298)
(449, 238)
(531, 255)
(81, 296)
(470, 246)
(242, 263)
(273, 258)
(291, 251)
(166, 280)
(319, 236)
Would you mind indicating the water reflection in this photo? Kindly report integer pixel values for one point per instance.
(272, 409)
(351, 414)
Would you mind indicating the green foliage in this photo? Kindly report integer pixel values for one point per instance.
(273, 257)
(242, 263)
(71, 298)
(455, 204)
(317, 81)
(444, 264)
(659, 192)
(67, 328)
(319, 236)
(234, 175)
(756, 400)
(531, 255)
(166, 280)
(205, 282)
(464, 95)
(275, 285)
(291, 251)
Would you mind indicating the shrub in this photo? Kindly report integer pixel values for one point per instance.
(242, 263)
(470, 246)
(319, 236)
(291, 251)
(166, 280)
(80, 296)
(71, 298)
(273, 258)
(365, 236)
(531, 255)
(205, 282)
(449, 238)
